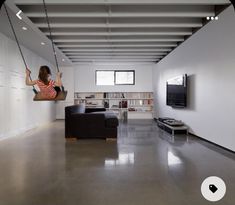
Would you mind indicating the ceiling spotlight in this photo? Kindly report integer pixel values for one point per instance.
(24, 28)
(208, 18)
(216, 18)
(18, 14)
(212, 18)
(42, 43)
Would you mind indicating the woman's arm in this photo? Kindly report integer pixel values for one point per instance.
(58, 81)
(27, 79)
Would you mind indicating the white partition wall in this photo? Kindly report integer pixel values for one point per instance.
(18, 112)
(208, 57)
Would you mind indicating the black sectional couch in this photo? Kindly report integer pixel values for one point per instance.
(81, 122)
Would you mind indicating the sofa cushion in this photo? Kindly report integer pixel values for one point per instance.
(111, 119)
(89, 110)
(76, 109)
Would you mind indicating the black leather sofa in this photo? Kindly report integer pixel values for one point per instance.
(90, 123)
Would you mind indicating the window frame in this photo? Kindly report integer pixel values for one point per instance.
(132, 71)
(103, 71)
(114, 72)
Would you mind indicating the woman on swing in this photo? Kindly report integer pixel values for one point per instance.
(49, 89)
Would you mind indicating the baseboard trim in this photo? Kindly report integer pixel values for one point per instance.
(217, 145)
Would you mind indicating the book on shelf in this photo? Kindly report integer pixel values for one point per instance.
(106, 104)
(123, 104)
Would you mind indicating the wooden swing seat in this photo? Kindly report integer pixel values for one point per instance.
(60, 97)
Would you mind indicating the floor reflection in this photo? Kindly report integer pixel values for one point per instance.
(137, 132)
(89, 153)
(172, 159)
(123, 159)
(177, 140)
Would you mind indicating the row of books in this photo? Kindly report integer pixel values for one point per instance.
(118, 95)
(128, 95)
(140, 102)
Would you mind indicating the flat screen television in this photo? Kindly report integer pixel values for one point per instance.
(176, 91)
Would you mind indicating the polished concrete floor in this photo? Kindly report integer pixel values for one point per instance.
(145, 167)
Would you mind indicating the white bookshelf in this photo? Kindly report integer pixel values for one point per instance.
(134, 105)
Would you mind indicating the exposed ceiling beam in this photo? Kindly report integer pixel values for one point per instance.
(116, 57)
(91, 52)
(120, 15)
(78, 11)
(113, 54)
(115, 49)
(117, 30)
(118, 60)
(116, 40)
(162, 44)
(123, 2)
(114, 46)
(117, 23)
(102, 62)
(178, 38)
(182, 33)
(122, 25)
(156, 56)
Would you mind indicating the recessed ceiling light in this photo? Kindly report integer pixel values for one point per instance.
(42, 43)
(216, 18)
(63, 60)
(212, 18)
(24, 28)
(208, 18)
(18, 14)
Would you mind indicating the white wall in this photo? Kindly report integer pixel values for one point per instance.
(18, 112)
(208, 58)
(85, 78)
(68, 82)
(82, 79)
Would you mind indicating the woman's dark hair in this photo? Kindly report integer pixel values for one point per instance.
(44, 71)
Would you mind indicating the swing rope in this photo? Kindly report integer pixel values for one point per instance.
(51, 38)
(18, 44)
